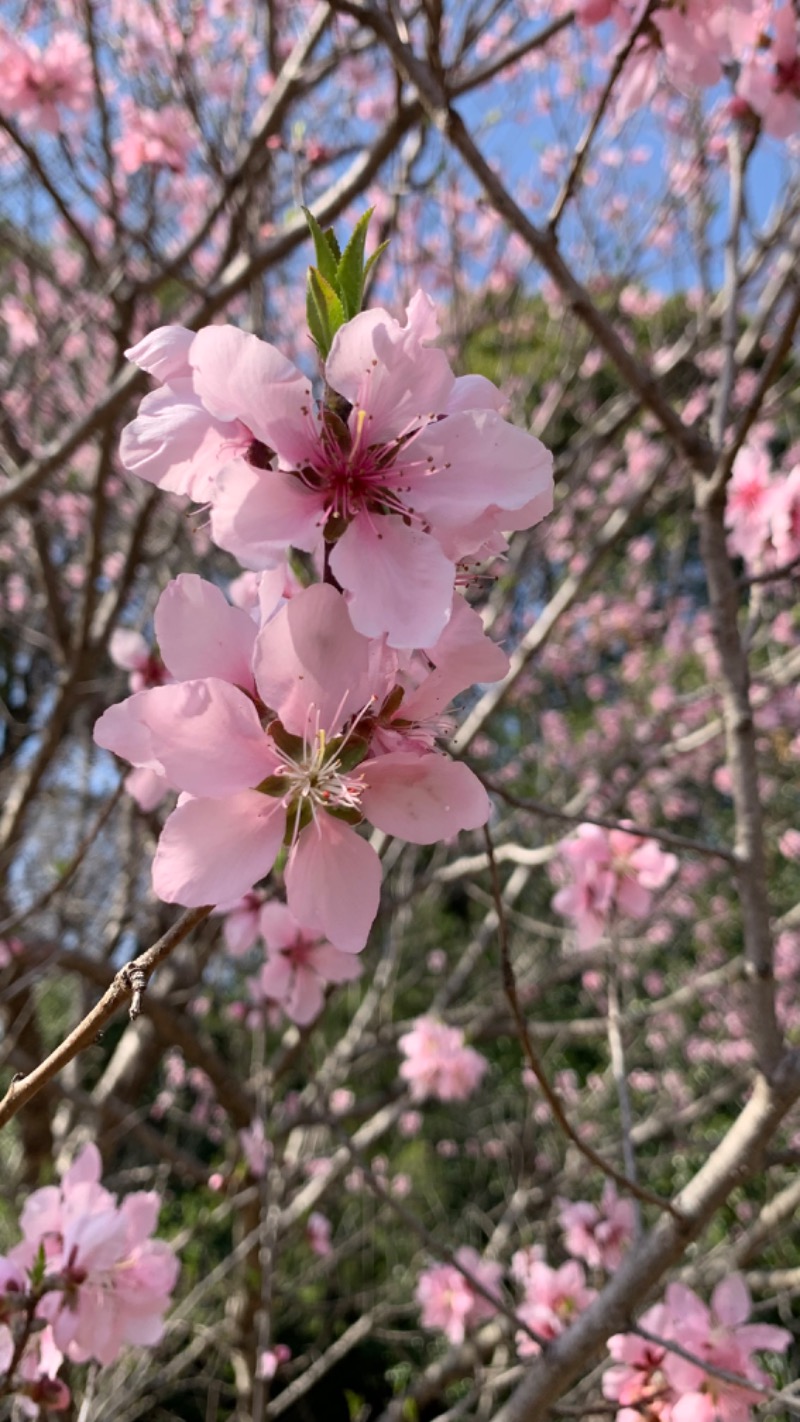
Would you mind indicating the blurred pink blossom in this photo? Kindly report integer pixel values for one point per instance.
(598, 1234)
(449, 1302)
(116, 1279)
(437, 1062)
(612, 872)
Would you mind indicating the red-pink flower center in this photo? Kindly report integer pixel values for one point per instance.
(357, 477)
(787, 76)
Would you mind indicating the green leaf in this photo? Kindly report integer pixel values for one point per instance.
(379, 251)
(332, 241)
(350, 271)
(327, 254)
(317, 324)
(328, 306)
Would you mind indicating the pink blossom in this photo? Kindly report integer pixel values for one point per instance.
(116, 1280)
(255, 1148)
(594, 12)
(720, 1336)
(785, 516)
(19, 322)
(299, 966)
(447, 1299)
(553, 1297)
(637, 1381)
(748, 503)
(36, 85)
(789, 844)
(278, 741)
(159, 137)
(419, 471)
(318, 1234)
(770, 77)
(270, 1360)
(437, 1062)
(672, 1388)
(36, 1384)
(612, 872)
(598, 1234)
(129, 650)
(241, 927)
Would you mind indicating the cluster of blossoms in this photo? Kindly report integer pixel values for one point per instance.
(762, 511)
(286, 723)
(611, 872)
(438, 1063)
(36, 85)
(700, 41)
(85, 1280)
(649, 1380)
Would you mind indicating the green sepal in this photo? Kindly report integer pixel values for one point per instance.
(272, 785)
(335, 527)
(343, 812)
(336, 426)
(293, 746)
(352, 752)
(392, 702)
(298, 816)
(350, 271)
(38, 1268)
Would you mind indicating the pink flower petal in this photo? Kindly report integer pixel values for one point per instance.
(480, 462)
(333, 965)
(473, 392)
(755, 1336)
(398, 579)
(275, 978)
(204, 736)
(306, 999)
(389, 371)
(174, 442)
(164, 353)
(333, 883)
(86, 1168)
(238, 376)
(422, 798)
(277, 925)
(310, 663)
(147, 788)
(256, 513)
(201, 635)
(731, 1301)
(211, 851)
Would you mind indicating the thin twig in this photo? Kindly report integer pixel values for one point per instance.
(581, 151)
(121, 990)
(531, 1056)
(678, 841)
